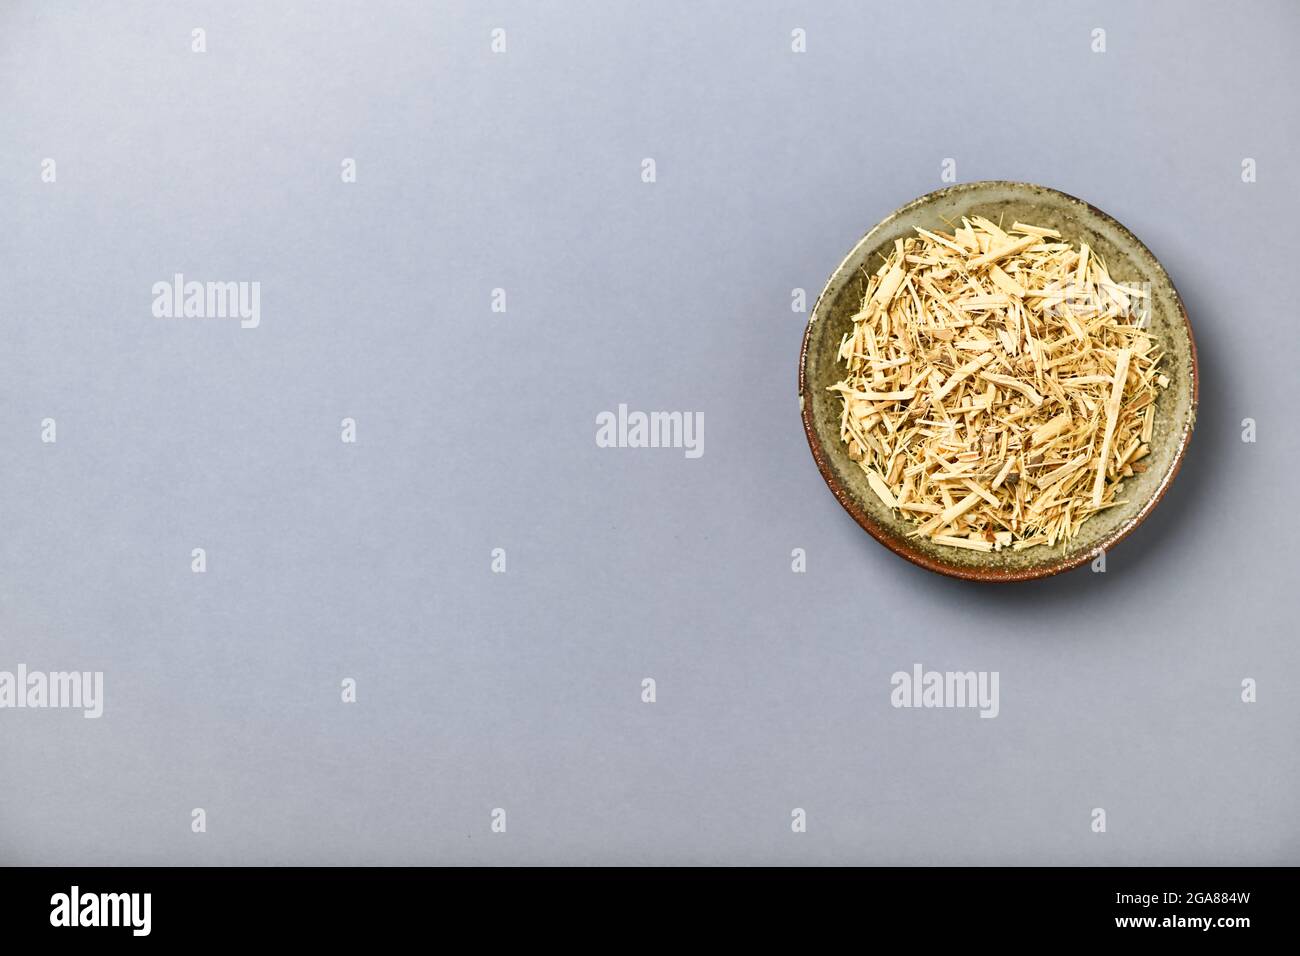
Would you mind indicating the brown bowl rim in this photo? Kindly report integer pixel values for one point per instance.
(906, 550)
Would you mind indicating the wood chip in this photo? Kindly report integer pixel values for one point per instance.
(1112, 418)
(961, 374)
(880, 488)
(1056, 426)
(973, 544)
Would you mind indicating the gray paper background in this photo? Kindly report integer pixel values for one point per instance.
(476, 431)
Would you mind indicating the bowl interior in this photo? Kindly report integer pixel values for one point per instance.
(1127, 260)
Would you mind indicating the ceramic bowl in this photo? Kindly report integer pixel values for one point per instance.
(1127, 260)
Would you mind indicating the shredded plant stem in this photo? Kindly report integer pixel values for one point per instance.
(1001, 386)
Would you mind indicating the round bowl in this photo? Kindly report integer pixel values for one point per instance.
(1127, 259)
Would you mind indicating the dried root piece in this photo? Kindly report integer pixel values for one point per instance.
(999, 385)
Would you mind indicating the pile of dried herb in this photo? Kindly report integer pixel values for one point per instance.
(1000, 385)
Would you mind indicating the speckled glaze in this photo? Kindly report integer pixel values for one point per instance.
(1127, 260)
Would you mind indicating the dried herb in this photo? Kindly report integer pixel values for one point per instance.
(1000, 385)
